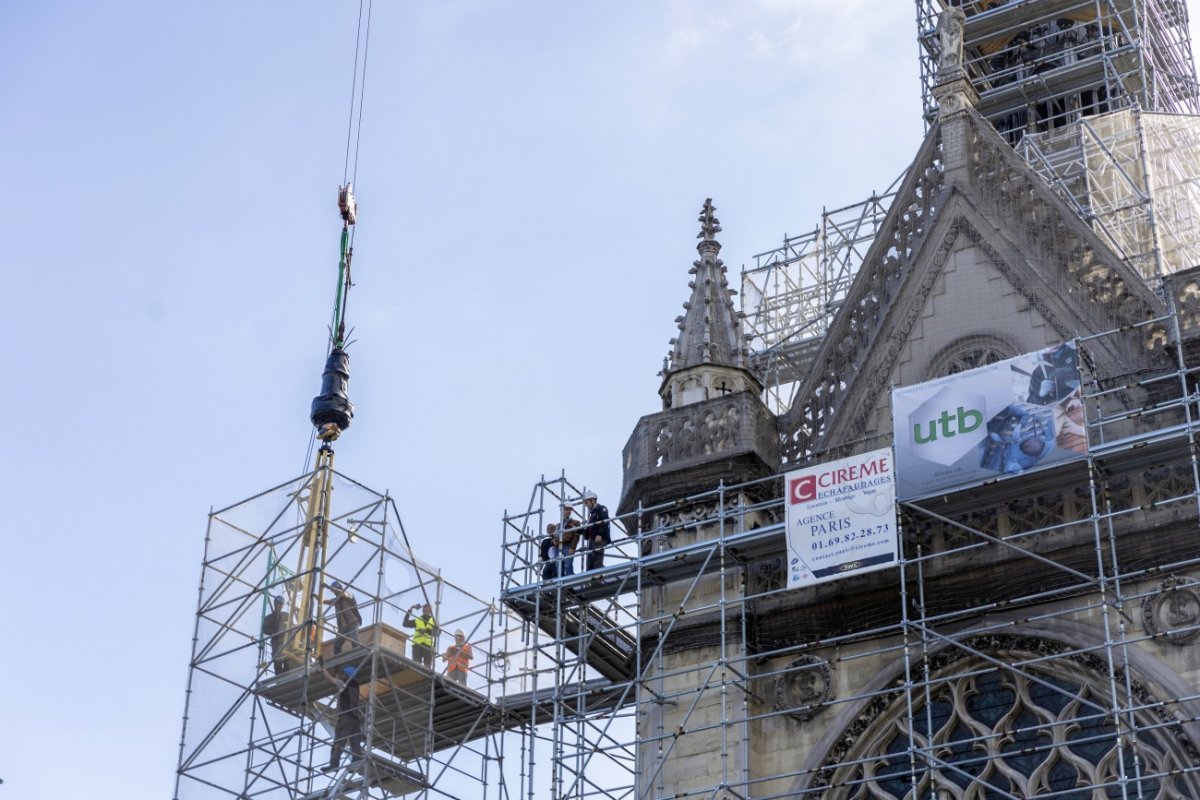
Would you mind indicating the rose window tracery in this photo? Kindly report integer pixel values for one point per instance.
(1008, 733)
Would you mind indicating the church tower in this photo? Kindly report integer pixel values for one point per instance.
(713, 426)
(713, 431)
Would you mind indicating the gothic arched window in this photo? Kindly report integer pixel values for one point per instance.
(967, 353)
(1044, 729)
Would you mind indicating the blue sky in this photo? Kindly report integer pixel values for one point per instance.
(529, 178)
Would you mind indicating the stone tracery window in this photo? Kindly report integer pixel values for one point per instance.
(973, 351)
(1009, 733)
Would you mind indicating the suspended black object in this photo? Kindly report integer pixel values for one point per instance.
(332, 405)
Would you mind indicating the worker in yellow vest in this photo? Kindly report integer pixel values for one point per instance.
(459, 655)
(424, 633)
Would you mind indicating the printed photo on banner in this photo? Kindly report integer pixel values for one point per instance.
(1000, 419)
(841, 518)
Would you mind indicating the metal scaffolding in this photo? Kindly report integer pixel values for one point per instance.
(580, 640)
(1041, 64)
(1031, 640)
(261, 716)
(1134, 176)
(792, 292)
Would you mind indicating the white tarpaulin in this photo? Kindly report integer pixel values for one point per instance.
(1001, 419)
(841, 518)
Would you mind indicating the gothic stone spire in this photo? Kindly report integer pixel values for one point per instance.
(709, 356)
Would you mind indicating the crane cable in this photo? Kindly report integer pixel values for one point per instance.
(358, 84)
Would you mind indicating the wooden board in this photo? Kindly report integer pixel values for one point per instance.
(381, 634)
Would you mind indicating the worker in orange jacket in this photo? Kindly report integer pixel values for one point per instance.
(459, 656)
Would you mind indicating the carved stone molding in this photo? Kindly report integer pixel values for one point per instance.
(1173, 612)
(678, 451)
(805, 688)
(880, 279)
(698, 513)
(1015, 193)
(1184, 287)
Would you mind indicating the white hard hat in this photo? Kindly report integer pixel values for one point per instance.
(589, 495)
(459, 632)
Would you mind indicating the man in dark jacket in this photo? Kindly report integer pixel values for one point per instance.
(348, 730)
(596, 533)
(548, 553)
(275, 628)
(348, 617)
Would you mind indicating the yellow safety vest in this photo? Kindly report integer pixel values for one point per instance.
(424, 631)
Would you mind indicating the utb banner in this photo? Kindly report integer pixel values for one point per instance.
(1001, 419)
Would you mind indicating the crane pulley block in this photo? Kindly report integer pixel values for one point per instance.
(347, 204)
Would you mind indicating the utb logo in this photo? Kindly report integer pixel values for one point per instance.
(967, 420)
(942, 425)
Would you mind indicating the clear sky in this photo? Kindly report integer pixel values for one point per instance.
(529, 179)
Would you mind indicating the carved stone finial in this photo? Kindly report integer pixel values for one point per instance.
(710, 226)
(952, 89)
(950, 40)
(707, 349)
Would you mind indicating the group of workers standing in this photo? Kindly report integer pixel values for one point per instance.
(277, 626)
(350, 717)
(564, 540)
(425, 633)
(569, 536)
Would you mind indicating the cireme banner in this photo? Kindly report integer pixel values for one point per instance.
(1001, 419)
(841, 518)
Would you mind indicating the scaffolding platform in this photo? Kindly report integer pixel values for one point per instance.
(413, 711)
(593, 697)
(379, 773)
(1068, 79)
(584, 630)
(1004, 19)
(672, 563)
(603, 643)
(1062, 60)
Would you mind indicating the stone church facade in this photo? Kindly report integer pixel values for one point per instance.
(1037, 637)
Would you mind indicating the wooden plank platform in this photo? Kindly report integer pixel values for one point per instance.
(413, 711)
(583, 629)
(377, 773)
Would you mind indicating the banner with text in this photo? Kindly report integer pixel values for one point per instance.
(841, 518)
(1001, 419)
